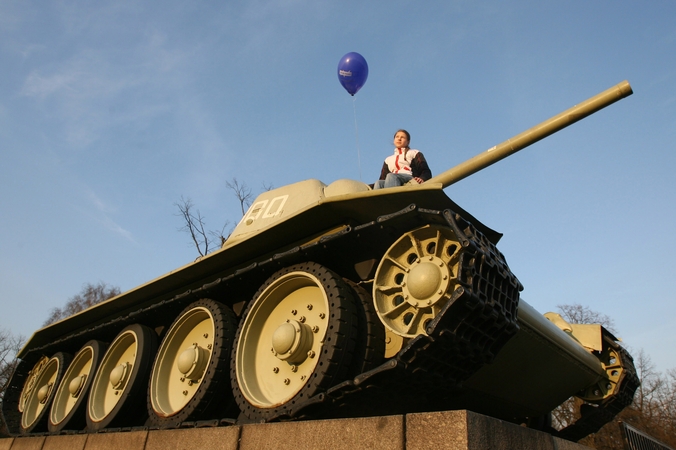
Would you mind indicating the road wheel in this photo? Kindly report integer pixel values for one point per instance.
(118, 392)
(186, 381)
(296, 340)
(36, 406)
(68, 407)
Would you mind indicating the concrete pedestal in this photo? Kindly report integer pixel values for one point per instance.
(457, 430)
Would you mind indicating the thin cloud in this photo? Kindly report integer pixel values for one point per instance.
(99, 204)
(117, 229)
(37, 85)
(82, 89)
(102, 214)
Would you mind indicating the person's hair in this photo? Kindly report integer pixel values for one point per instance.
(408, 136)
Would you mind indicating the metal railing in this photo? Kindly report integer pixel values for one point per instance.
(637, 440)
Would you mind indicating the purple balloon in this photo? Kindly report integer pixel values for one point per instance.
(352, 72)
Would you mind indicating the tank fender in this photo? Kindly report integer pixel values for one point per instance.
(590, 336)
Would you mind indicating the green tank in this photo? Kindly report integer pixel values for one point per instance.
(329, 301)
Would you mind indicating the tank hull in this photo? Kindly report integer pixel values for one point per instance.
(329, 301)
(431, 372)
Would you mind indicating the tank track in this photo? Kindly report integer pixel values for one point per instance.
(11, 398)
(469, 332)
(593, 417)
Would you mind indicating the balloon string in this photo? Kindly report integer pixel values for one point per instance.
(356, 131)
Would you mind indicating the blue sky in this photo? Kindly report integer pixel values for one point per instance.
(111, 111)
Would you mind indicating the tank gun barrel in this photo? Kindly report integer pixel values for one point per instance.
(534, 134)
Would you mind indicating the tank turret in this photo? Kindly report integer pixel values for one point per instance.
(328, 301)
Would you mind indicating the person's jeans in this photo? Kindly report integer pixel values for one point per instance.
(392, 180)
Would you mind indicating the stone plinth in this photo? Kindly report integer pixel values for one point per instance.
(456, 430)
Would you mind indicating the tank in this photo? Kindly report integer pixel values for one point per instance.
(329, 301)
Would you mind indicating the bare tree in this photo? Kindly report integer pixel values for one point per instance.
(242, 192)
(90, 295)
(9, 347)
(268, 187)
(653, 408)
(194, 222)
(204, 240)
(194, 225)
(577, 313)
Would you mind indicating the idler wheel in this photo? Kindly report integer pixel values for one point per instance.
(118, 391)
(30, 382)
(296, 340)
(185, 382)
(38, 402)
(18, 388)
(416, 278)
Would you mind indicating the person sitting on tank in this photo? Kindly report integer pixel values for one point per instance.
(406, 165)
